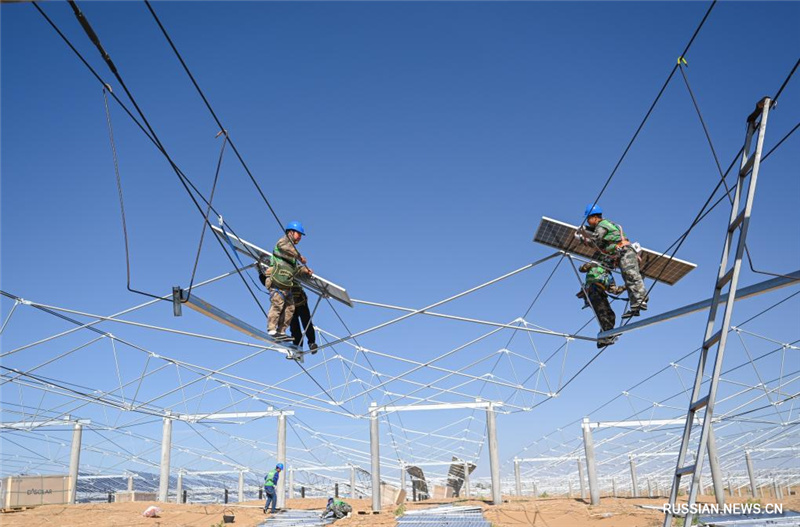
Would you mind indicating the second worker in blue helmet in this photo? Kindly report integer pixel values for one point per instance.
(611, 241)
(286, 264)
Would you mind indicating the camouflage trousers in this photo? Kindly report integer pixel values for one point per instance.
(281, 310)
(340, 511)
(629, 266)
(602, 308)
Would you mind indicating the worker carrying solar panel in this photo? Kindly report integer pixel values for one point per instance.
(609, 238)
(599, 283)
(285, 265)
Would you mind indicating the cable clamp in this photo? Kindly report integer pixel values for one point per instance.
(682, 61)
(220, 221)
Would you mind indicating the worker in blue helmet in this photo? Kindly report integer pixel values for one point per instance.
(270, 480)
(609, 238)
(286, 265)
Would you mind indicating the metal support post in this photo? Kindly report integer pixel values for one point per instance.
(353, 482)
(179, 487)
(535, 490)
(130, 483)
(713, 463)
(649, 487)
(466, 480)
(749, 462)
(569, 483)
(375, 455)
(281, 459)
(402, 476)
(74, 461)
(166, 447)
(291, 483)
(591, 467)
(517, 478)
(241, 486)
(335, 490)
(582, 480)
(494, 457)
(634, 482)
(614, 487)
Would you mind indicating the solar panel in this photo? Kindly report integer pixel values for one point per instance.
(444, 516)
(315, 283)
(657, 266)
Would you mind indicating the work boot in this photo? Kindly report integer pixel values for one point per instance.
(280, 337)
(632, 312)
(608, 341)
(313, 347)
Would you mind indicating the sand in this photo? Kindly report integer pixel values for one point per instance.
(543, 512)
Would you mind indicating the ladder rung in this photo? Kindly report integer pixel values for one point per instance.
(747, 165)
(688, 469)
(700, 403)
(725, 278)
(736, 221)
(713, 340)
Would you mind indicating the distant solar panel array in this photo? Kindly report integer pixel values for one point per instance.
(657, 266)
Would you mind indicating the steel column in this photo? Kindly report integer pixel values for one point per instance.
(74, 461)
(130, 483)
(591, 467)
(517, 478)
(634, 482)
(166, 447)
(582, 480)
(282, 459)
(751, 473)
(494, 456)
(241, 487)
(179, 487)
(353, 482)
(466, 480)
(291, 484)
(375, 455)
(713, 462)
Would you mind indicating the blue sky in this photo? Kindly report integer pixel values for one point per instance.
(419, 143)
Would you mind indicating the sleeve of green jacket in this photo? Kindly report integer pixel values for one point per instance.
(597, 236)
(287, 249)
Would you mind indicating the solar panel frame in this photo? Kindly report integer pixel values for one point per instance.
(655, 265)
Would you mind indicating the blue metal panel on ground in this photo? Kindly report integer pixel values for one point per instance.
(293, 518)
(444, 517)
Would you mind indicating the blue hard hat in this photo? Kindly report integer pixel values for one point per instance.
(592, 209)
(279, 466)
(295, 226)
(330, 500)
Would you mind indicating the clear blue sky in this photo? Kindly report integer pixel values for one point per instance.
(418, 142)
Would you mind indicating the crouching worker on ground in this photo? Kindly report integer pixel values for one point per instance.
(286, 265)
(598, 284)
(337, 509)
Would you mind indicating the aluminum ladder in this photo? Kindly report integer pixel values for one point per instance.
(727, 278)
